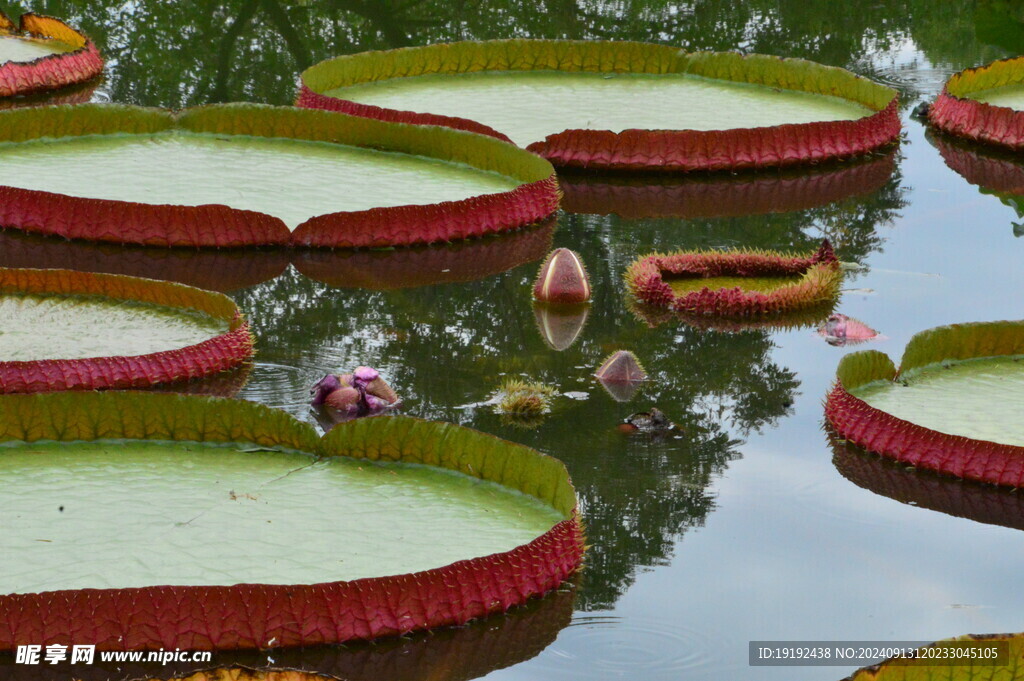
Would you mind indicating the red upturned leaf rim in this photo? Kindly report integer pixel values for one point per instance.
(954, 112)
(52, 71)
(878, 431)
(455, 653)
(219, 353)
(247, 616)
(820, 278)
(215, 225)
(631, 150)
(636, 197)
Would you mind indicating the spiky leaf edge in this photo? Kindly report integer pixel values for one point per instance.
(820, 279)
(631, 150)
(222, 352)
(878, 431)
(52, 71)
(259, 615)
(217, 225)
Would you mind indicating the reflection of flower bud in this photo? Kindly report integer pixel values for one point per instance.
(560, 325)
(621, 374)
(562, 279)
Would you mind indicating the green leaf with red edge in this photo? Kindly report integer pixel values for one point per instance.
(210, 334)
(950, 407)
(260, 615)
(491, 186)
(475, 86)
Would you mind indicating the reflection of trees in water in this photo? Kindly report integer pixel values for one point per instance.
(444, 349)
(168, 54)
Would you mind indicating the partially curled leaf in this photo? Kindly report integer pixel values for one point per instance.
(738, 284)
(984, 104)
(43, 53)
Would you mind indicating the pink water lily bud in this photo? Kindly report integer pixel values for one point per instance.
(562, 279)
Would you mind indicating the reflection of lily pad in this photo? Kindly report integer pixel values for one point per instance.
(712, 196)
(191, 484)
(973, 657)
(924, 489)
(953, 406)
(43, 53)
(211, 269)
(146, 176)
(66, 330)
(426, 265)
(618, 105)
(237, 268)
(994, 171)
(736, 284)
(451, 653)
(985, 104)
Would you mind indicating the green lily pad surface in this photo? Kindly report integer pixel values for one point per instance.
(280, 177)
(1011, 96)
(682, 286)
(135, 514)
(979, 398)
(20, 49)
(34, 327)
(528, 106)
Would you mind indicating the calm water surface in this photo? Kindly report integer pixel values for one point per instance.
(742, 527)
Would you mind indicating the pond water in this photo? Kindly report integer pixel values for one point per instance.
(739, 527)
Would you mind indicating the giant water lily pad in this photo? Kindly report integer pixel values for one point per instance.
(985, 657)
(198, 523)
(953, 406)
(736, 284)
(43, 53)
(242, 175)
(618, 104)
(985, 104)
(64, 330)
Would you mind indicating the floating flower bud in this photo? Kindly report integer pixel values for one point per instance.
(562, 279)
